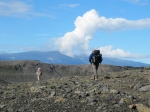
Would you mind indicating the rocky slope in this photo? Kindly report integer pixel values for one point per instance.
(118, 90)
(24, 70)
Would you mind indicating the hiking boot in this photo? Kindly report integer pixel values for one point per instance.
(92, 78)
(96, 78)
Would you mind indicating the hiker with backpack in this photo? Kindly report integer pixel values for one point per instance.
(95, 58)
(38, 73)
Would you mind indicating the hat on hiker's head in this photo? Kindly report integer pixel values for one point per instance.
(39, 68)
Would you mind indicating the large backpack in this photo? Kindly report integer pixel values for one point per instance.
(97, 57)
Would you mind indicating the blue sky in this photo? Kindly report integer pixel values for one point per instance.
(119, 28)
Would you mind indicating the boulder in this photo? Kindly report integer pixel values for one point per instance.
(145, 88)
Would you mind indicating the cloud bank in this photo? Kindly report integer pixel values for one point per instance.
(87, 25)
(109, 51)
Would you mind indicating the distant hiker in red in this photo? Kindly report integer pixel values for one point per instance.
(38, 73)
(95, 58)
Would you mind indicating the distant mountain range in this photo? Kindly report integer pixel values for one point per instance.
(55, 57)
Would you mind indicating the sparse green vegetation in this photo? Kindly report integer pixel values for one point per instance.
(60, 100)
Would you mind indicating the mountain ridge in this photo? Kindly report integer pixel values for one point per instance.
(55, 57)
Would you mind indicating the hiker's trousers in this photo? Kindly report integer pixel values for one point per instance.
(38, 77)
(95, 68)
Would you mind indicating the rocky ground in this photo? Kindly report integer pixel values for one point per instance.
(123, 91)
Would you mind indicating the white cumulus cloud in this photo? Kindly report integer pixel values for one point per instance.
(87, 25)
